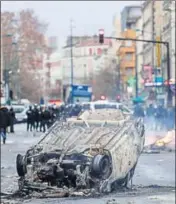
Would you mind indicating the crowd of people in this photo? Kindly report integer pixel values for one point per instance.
(41, 118)
(156, 117)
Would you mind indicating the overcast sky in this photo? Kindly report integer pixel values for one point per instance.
(88, 16)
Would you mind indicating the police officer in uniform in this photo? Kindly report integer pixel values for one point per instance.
(36, 117)
(40, 118)
(12, 120)
(30, 118)
(4, 122)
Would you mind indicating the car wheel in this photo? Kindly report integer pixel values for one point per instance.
(101, 166)
(20, 165)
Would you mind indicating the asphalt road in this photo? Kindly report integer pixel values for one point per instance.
(152, 170)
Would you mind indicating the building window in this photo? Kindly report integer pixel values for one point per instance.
(129, 56)
(128, 43)
(90, 51)
(129, 71)
(99, 51)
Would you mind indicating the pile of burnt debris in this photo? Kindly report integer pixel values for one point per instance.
(162, 144)
(37, 191)
(29, 190)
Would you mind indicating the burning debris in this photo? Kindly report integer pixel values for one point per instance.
(82, 157)
(166, 143)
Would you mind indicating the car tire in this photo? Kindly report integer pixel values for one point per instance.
(20, 165)
(101, 166)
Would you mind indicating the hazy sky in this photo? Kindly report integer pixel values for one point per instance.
(88, 16)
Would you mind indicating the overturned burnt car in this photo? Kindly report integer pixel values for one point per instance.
(98, 150)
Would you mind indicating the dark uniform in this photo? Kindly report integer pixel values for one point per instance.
(4, 122)
(36, 118)
(30, 119)
(160, 116)
(45, 117)
(138, 111)
(40, 119)
(170, 119)
(12, 120)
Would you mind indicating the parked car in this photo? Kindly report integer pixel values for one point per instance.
(20, 113)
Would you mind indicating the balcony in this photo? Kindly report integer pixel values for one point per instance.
(124, 50)
(127, 64)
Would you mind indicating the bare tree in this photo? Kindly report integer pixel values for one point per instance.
(28, 32)
(106, 81)
(104, 84)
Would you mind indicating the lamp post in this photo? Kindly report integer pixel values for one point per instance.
(71, 57)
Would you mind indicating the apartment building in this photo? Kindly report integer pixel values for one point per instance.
(151, 30)
(139, 54)
(168, 34)
(126, 54)
(86, 53)
(128, 17)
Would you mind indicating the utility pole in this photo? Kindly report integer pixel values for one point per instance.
(153, 46)
(136, 70)
(71, 57)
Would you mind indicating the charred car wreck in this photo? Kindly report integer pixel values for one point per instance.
(99, 150)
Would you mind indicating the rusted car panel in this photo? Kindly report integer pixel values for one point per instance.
(94, 151)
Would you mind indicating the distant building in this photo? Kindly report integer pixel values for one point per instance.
(139, 53)
(151, 30)
(168, 34)
(52, 72)
(128, 17)
(126, 54)
(86, 51)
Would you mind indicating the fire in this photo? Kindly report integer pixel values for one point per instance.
(170, 137)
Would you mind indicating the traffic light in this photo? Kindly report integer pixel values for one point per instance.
(101, 36)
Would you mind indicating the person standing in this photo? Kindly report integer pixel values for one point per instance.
(160, 116)
(150, 116)
(30, 119)
(40, 118)
(170, 119)
(139, 111)
(36, 117)
(12, 120)
(45, 117)
(4, 122)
